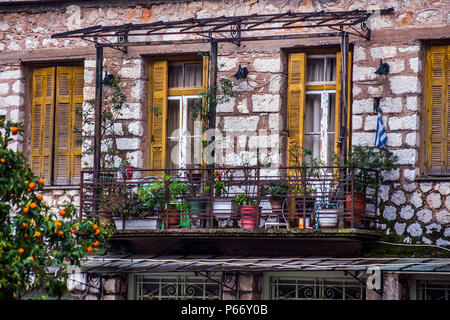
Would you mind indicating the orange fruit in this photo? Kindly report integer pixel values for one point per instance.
(40, 197)
(28, 189)
(57, 223)
(74, 231)
(24, 224)
(2, 160)
(25, 235)
(32, 258)
(33, 205)
(37, 234)
(21, 250)
(41, 181)
(14, 130)
(62, 212)
(90, 249)
(60, 233)
(97, 232)
(95, 243)
(67, 259)
(32, 185)
(25, 210)
(95, 226)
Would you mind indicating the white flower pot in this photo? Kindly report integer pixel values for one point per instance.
(222, 208)
(150, 223)
(328, 218)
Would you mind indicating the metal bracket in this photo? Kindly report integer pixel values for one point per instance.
(235, 31)
(355, 276)
(225, 281)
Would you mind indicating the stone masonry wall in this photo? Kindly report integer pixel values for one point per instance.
(414, 209)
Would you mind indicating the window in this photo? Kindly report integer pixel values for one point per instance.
(175, 286)
(175, 134)
(296, 286)
(57, 93)
(313, 104)
(432, 290)
(437, 136)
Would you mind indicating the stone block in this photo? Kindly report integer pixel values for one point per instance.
(414, 63)
(416, 199)
(359, 53)
(226, 64)
(391, 105)
(383, 52)
(415, 229)
(424, 215)
(267, 64)
(241, 124)
(398, 197)
(434, 200)
(404, 123)
(407, 212)
(364, 73)
(443, 188)
(393, 139)
(4, 88)
(362, 106)
(356, 122)
(226, 105)
(266, 103)
(404, 84)
(390, 213)
(412, 139)
(406, 156)
(399, 228)
(363, 138)
(412, 103)
(136, 128)
(128, 143)
(443, 217)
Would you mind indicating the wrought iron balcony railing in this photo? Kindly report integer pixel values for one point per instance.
(244, 197)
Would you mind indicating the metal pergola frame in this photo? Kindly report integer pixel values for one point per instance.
(232, 29)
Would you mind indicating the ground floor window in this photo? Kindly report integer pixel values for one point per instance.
(318, 286)
(177, 286)
(432, 290)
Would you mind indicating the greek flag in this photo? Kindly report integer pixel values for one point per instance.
(380, 137)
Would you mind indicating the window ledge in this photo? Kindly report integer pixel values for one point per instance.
(433, 179)
(65, 187)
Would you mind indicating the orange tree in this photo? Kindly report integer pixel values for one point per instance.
(36, 244)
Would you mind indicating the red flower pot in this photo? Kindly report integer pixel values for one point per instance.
(249, 217)
(128, 174)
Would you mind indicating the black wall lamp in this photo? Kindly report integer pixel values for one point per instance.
(107, 79)
(241, 73)
(383, 69)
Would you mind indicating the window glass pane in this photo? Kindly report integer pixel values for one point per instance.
(173, 133)
(330, 74)
(193, 75)
(312, 123)
(314, 69)
(331, 127)
(194, 134)
(176, 76)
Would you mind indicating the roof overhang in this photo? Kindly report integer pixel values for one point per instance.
(210, 263)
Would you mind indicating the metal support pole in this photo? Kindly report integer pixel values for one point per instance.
(212, 123)
(342, 143)
(98, 121)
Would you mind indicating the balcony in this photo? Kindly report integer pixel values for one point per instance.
(246, 204)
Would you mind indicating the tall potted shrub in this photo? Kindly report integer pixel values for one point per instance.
(362, 163)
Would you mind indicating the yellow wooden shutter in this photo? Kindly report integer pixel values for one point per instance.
(75, 167)
(63, 121)
(296, 102)
(338, 102)
(42, 121)
(437, 110)
(158, 113)
(205, 87)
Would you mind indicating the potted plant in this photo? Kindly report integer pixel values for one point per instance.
(303, 178)
(126, 169)
(277, 191)
(176, 210)
(249, 210)
(362, 165)
(222, 206)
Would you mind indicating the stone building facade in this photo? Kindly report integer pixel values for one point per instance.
(414, 207)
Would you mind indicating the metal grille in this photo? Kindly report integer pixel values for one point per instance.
(177, 287)
(295, 288)
(432, 290)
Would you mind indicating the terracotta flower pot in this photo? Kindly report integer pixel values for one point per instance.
(359, 206)
(171, 219)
